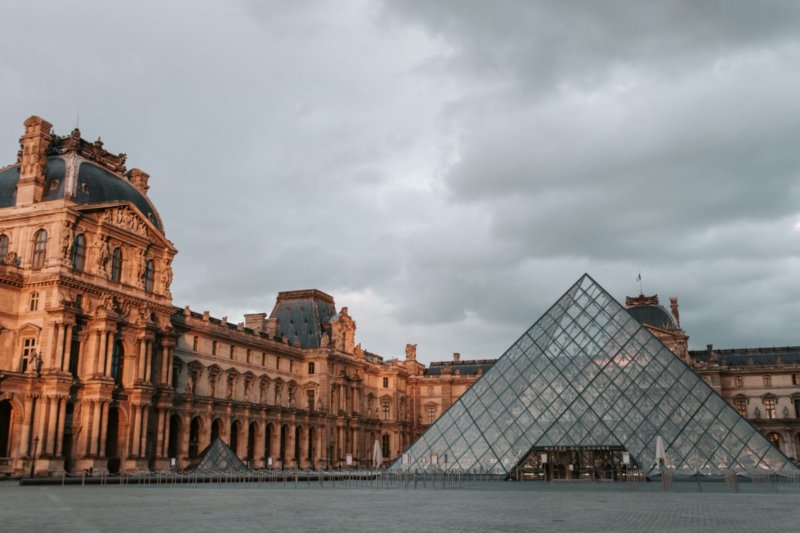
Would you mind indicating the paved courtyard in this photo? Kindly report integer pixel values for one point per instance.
(489, 506)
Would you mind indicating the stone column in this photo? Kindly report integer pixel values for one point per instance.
(136, 428)
(66, 352)
(41, 426)
(168, 364)
(58, 337)
(140, 362)
(100, 357)
(24, 441)
(85, 439)
(101, 444)
(62, 416)
(52, 428)
(143, 442)
(161, 438)
(95, 437)
(148, 361)
(183, 438)
(108, 353)
(259, 450)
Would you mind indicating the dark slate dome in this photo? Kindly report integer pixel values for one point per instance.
(653, 315)
(94, 185)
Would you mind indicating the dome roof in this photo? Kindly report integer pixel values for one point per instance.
(94, 185)
(653, 315)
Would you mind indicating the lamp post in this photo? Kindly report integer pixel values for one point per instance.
(33, 458)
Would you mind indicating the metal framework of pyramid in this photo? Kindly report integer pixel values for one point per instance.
(588, 374)
(217, 457)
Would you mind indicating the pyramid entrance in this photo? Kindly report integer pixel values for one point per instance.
(587, 463)
(587, 383)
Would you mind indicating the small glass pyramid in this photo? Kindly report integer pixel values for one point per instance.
(587, 374)
(217, 457)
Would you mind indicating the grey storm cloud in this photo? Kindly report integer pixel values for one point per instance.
(445, 169)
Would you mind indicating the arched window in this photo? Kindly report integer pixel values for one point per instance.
(39, 249)
(3, 247)
(116, 265)
(386, 449)
(79, 253)
(149, 275)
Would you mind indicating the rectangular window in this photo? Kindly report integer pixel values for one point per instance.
(431, 414)
(34, 301)
(738, 381)
(247, 355)
(795, 379)
(310, 369)
(28, 353)
(213, 347)
(310, 399)
(741, 406)
(385, 383)
(797, 408)
(233, 351)
(385, 409)
(767, 380)
(769, 407)
(277, 363)
(194, 343)
(430, 391)
(263, 359)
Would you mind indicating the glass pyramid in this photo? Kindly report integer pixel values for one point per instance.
(217, 457)
(588, 374)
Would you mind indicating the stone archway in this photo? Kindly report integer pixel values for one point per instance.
(174, 432)
(216, 429)
(194, 437)
(236, 428)
(112, 440)
(251, 443)
(6, 416)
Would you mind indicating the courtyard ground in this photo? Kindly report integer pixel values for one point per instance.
(482, 506)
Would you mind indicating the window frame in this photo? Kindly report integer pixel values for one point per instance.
(79, 253)
(5, 242)
(149, 275)
(116, 264)
(39, 249)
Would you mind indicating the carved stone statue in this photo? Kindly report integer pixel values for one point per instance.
(411, 352)
(166, 275)
(67, 240)
(101, 251)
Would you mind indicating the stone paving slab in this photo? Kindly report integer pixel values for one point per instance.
(493, 506)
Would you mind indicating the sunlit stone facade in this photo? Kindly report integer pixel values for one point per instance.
(99, 370)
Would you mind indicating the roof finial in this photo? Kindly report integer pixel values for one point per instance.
(639, 279)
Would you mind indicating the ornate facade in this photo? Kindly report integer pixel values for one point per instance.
(98, 369)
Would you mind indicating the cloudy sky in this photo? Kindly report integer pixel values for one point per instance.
(445, 169)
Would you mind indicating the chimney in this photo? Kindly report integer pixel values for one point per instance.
(33, 160)
(139, 178)
(256, 321)
(673, 303)
(456, 357)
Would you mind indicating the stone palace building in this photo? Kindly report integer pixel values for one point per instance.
(99, 370)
